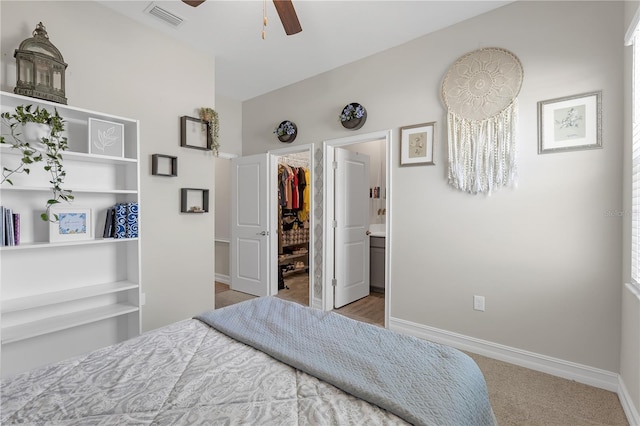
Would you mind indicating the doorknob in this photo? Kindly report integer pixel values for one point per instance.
(263, 233)
(368, 232)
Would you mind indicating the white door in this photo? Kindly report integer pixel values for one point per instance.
(351, 256)
(250, 225)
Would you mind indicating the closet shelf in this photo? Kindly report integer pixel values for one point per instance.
(284, 258)
(301, 243)
(294, 271)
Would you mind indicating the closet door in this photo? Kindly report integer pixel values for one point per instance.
(250, 225)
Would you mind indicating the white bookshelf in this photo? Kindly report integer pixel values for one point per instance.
(52, 294)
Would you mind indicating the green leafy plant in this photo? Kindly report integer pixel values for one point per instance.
(211, 116)
(53, 144)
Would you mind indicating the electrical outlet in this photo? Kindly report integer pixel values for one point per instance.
(478, 303)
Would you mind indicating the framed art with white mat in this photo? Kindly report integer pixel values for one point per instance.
(570, 123)
(72, 224)
(416, 144)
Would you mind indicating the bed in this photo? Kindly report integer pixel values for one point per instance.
(265, 361)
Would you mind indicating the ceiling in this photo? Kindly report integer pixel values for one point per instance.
(334, 33)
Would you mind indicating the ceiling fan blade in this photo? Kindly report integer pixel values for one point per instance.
(193, 3)
(288, 16)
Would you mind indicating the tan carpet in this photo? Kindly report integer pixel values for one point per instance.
(519, 396)
(524, 397)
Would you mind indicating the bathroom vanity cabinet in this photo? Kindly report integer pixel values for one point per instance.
(377, 263)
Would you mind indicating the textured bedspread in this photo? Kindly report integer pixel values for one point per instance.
(183, 374)
(422, 382)
(189, 373)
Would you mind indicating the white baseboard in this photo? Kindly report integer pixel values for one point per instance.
(557, 367)
(224, 279)
(627, 404)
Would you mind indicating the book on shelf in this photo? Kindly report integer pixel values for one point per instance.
(131, 229)
(108, 224)
(16, 229)
(121, 221)
(2, 227)
(10, 229)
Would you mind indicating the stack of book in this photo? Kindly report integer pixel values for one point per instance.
(10, 233)
(121, 221)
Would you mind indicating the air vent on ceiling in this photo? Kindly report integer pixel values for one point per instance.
(163, 14)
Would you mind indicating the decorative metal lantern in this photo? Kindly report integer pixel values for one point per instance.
(40, 68)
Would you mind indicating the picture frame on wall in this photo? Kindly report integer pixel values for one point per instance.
(73, 224)
(106, 138)
(417, 144)
(570, 123)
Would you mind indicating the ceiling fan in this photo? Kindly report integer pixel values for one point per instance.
(285, 9)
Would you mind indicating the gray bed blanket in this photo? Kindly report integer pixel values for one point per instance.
(422, 382)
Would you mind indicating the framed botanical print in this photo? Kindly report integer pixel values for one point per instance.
(570, 123)
(416, 144)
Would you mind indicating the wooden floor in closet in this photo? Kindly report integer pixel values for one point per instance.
(369, 309)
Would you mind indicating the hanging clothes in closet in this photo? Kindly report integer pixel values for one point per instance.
(292, 192)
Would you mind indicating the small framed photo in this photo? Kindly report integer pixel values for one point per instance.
(164, 165)
(106, 138)
(194, 133)
(73, 224)
(416, 144)
(570, 123)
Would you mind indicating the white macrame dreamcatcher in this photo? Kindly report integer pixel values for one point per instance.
(480, 91)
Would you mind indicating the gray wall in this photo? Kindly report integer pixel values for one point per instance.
(230, 112)
(546, 255)
(377, 168)
(119, 67)
(223, 219)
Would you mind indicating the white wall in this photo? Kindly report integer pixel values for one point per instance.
(546, 255)
(119, 67)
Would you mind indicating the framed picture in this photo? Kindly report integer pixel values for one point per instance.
(194, 133)
(73, 224)
(164, 165)
(106, 138)
(416, 144)
(570, 123)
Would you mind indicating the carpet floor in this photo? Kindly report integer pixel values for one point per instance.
(519, 396)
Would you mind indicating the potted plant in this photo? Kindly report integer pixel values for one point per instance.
(353, 116)
(286, 131)
(211, 117)
(50, 146)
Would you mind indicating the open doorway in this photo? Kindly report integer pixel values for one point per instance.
(377, 146)
(294, 193)
(267, 235)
